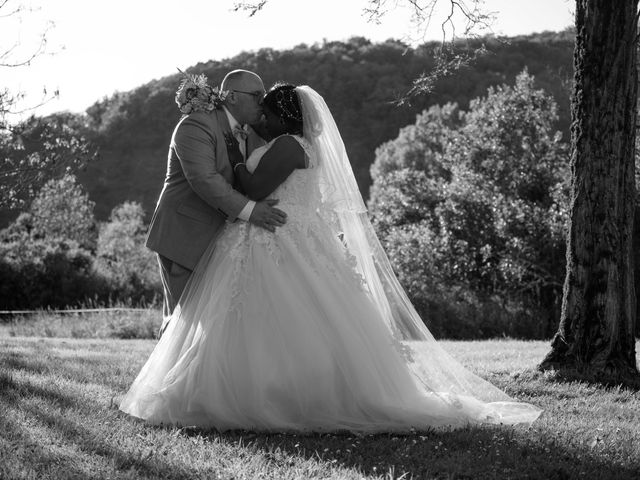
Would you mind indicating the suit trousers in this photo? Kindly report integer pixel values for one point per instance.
(174, 278)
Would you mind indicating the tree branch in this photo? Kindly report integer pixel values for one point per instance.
(10, 14)
(449, 57)
(23, 63)
(8, 59)
(251, 7)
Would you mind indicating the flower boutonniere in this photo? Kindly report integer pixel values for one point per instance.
(196, 95)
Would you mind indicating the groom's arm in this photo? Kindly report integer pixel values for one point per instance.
(195, 145)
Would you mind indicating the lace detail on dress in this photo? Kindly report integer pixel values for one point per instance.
(233, 242)
(312, 159)
(300, 197)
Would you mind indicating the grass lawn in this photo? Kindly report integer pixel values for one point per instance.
(58, 420)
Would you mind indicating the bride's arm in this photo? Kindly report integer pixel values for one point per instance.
(284, 156)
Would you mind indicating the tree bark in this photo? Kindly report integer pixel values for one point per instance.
(597, 323)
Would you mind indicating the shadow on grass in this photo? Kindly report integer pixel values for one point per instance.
(630, 382)
(571, 375)
(470, 453)
(18, 361)
(78, 369)
(31, 456)
(27, 449)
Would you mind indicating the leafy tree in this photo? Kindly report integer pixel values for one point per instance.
(122, 257)
(509, 137)
(420, 146)
(37, 150)
(597, 324)
(519, 162)
(486, 194)
(404, 196)
(45, 255)
(62, 212)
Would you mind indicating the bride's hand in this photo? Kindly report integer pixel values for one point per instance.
(233, 149)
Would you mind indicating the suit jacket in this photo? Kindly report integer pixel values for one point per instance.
(197, 197)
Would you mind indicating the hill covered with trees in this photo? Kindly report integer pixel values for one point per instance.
(360, 81)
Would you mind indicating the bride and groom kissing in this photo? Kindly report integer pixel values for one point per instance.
(286, 318)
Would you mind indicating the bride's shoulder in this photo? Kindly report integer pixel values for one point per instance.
(288, 139)
(290, 147)
(296, 142)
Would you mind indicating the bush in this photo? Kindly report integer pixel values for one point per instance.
(48, 261)
(122, 258)
(475, 228)
(62, 212)
(48, 276)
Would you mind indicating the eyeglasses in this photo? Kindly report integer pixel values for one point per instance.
(256, 95)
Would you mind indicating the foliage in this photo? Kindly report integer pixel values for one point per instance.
(60, 216)
(38, 274)
(45, 255)
(473, 217)
(122, 257)
(420, 146)
(62, 212)
(38, 150)
(50, 256)
(35, 150)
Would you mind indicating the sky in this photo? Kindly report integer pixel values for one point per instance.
(95, 48)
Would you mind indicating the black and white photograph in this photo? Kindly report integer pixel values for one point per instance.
(376, 239)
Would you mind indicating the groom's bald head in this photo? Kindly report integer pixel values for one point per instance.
(244, 95)
(241, 80)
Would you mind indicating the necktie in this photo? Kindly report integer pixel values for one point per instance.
(241, 135)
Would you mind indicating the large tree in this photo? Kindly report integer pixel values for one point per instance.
(33, 150)
(596, 332)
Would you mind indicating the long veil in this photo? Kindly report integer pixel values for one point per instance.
(344, 208)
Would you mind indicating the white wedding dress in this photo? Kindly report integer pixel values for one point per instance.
(283, 332)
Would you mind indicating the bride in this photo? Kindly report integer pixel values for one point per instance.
(307, 328)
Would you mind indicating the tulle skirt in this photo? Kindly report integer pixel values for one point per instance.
(277, 332)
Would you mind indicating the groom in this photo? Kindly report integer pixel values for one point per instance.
(197, 197)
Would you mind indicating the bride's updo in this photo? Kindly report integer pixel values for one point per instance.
(282, 100)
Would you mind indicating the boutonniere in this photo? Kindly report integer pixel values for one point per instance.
(196, 95)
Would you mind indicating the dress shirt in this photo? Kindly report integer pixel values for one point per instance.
(245, 213)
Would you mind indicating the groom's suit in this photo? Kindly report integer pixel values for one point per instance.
(197, 197)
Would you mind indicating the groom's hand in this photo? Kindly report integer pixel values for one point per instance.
(266, 216)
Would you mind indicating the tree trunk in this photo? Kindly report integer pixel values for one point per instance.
(597, 322)
(636, 257)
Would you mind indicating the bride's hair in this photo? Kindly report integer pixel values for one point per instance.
(283, 100)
